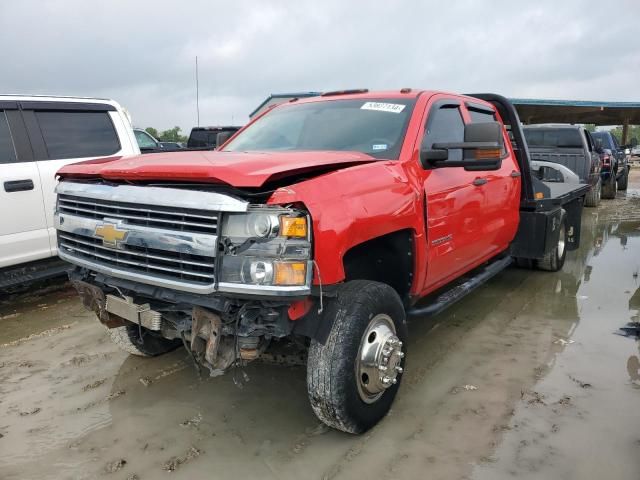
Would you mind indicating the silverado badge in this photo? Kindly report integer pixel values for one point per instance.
(110, 234)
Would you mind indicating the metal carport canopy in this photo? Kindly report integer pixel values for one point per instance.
(534, 110)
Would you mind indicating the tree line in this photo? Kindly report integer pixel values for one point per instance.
(171, 135)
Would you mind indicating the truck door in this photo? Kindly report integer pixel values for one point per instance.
(23, 229)
(501, 192)
(454, 202)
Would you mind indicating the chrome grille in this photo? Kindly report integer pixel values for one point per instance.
(172, 265)
(167, 237)
(168, 218)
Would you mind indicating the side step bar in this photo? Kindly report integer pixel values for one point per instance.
(449, 297)
(31, 272)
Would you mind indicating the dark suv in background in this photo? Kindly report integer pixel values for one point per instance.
(565, 153)
(615, 165)
(206, 138)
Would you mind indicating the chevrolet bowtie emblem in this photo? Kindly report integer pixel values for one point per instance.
(110, 234)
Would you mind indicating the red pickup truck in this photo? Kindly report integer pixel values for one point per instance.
(325, 222)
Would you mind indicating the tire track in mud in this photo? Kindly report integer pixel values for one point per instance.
(46, 333)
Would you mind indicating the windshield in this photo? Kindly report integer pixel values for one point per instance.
(144, 139)
(553, 137)
(374, 127)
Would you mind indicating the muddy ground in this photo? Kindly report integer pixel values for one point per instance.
(552, 391)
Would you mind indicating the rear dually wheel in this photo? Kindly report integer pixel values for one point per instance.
(592, 198)
(554, 259)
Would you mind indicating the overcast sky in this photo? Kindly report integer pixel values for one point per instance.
(142, 53)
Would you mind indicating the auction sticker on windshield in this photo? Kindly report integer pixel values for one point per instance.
(383, 107)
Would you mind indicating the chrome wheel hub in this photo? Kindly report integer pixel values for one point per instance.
(379, 359)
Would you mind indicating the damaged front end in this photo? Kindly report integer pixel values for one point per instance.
(208, 269)
(223, 332)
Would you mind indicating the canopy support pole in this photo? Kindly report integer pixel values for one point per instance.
(625, 131)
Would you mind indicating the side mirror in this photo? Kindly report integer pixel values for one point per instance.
(222, 137)
(482, 149)
(432, 155)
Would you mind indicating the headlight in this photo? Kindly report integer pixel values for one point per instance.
(263, 271)
(265, 225)
(260, 272)
(262, 225)
(267, 246)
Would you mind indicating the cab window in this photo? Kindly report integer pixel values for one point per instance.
(445, 125)
(70, 134)
(483, 116)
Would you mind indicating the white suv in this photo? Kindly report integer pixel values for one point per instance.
(38, 135)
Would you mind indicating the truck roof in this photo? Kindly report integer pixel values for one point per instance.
(274, 100)
(223, 127)
(54, 98)
(366, 94)
(355, 94)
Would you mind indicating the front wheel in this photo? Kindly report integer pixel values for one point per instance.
(127, 338)
(353, 378)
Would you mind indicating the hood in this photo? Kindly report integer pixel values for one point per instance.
(239, 169)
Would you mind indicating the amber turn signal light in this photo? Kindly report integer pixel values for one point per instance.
(290, 273)
(293, 227)
(487, 154)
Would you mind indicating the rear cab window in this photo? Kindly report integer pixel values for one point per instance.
(77, 134)
(554, 137)
(7, 149)
(202, 138)
(482, 115)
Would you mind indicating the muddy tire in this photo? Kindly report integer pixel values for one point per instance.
(554, 260)
(592, 199)
(610, 188)
(346, 387)
(623, 181)
(128, 339)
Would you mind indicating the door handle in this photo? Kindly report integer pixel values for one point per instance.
(18, 185)
(479, 181)
(515, 174)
